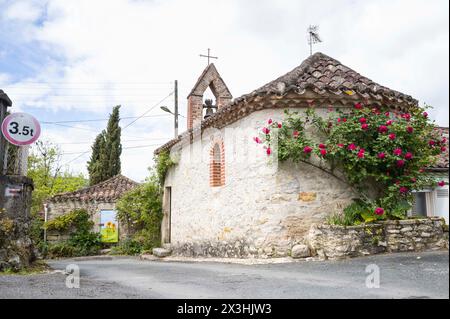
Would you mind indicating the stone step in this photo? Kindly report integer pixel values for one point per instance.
(161, 252)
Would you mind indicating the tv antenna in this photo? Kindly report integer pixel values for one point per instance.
(313, 31)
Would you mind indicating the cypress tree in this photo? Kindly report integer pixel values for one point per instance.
(113, 145)
(106, 151)
(95, 167)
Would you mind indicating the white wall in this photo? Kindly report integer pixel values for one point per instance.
(258, 209)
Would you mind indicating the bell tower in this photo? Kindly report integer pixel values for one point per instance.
(212, 79)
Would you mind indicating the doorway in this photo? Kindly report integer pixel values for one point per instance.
(166, 230)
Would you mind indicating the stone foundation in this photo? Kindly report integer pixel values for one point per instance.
(335, 242)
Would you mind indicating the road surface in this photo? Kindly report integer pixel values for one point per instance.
(408, 275)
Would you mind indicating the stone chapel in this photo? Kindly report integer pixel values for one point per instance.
(223, 198)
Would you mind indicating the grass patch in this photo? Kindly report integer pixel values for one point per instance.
(37, 267)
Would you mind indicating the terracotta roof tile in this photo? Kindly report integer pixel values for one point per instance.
(320, 74)
(106, 191)
(443, 160)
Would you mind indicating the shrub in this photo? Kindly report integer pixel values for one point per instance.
(381, 153)
(82, 240)
(127, 246)
(141, 210)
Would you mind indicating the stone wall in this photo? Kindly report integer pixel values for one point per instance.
(263, 210)
(335, 242)
(16, 247)
(56, 209)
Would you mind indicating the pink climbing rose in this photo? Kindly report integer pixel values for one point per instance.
(382, 129)
(362, 120)
(379, 211)
(269, 151)
(364, 126)
(398, 152)
(295, 134)
(400, 163)
(408, 155)
(381, 155)
(265, 130)
(257, 140)
(307, 149)
(392, 136)
(403, 189)
(358, 106)
(323, 152)
(321, 145)
(410, 129)
(269, 121)
(441, 183)
(352, 147)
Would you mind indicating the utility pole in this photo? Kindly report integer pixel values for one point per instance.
(5, 102)
(176, 108)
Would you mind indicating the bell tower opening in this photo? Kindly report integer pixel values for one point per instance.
(209, 94)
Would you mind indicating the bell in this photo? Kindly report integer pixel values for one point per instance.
(209, 108)
(209, 112)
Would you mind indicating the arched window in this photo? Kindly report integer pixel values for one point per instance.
(217, 165)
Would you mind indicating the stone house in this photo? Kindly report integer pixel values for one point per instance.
(434, 201)
(223, 198)
(95, 199)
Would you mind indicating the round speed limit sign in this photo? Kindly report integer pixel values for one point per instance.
(21, 129)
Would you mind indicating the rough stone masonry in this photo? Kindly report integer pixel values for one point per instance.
(16, 247)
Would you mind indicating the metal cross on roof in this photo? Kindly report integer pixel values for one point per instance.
(208, 56)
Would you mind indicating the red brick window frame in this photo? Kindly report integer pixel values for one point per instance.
(217, 164)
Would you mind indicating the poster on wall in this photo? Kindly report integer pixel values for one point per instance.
(108, 226)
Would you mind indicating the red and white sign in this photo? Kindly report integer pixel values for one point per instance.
(21, 129)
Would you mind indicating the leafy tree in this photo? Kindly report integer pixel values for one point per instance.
(106, 151)
(141, 210)
(45, 169)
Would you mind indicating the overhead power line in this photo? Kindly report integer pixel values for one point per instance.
(103, 119)
(146, 112)
(135, 140)
(123, 148)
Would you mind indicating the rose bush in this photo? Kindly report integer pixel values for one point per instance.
(381, 153)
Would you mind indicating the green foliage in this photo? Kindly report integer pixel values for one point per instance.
(127, 246)
(163, 163)
(77, 219)
(95, 167)
(106, 150)
(381, 153)
(82, 241)
(48, 177)
(141, 210)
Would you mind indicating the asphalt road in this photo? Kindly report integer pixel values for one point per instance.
(412, 275)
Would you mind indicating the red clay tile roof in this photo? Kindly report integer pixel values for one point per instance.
(324, 74)
(442, 163)
(106, 191)
(320, 74)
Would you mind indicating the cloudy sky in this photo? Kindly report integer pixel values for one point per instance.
(71, 61)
